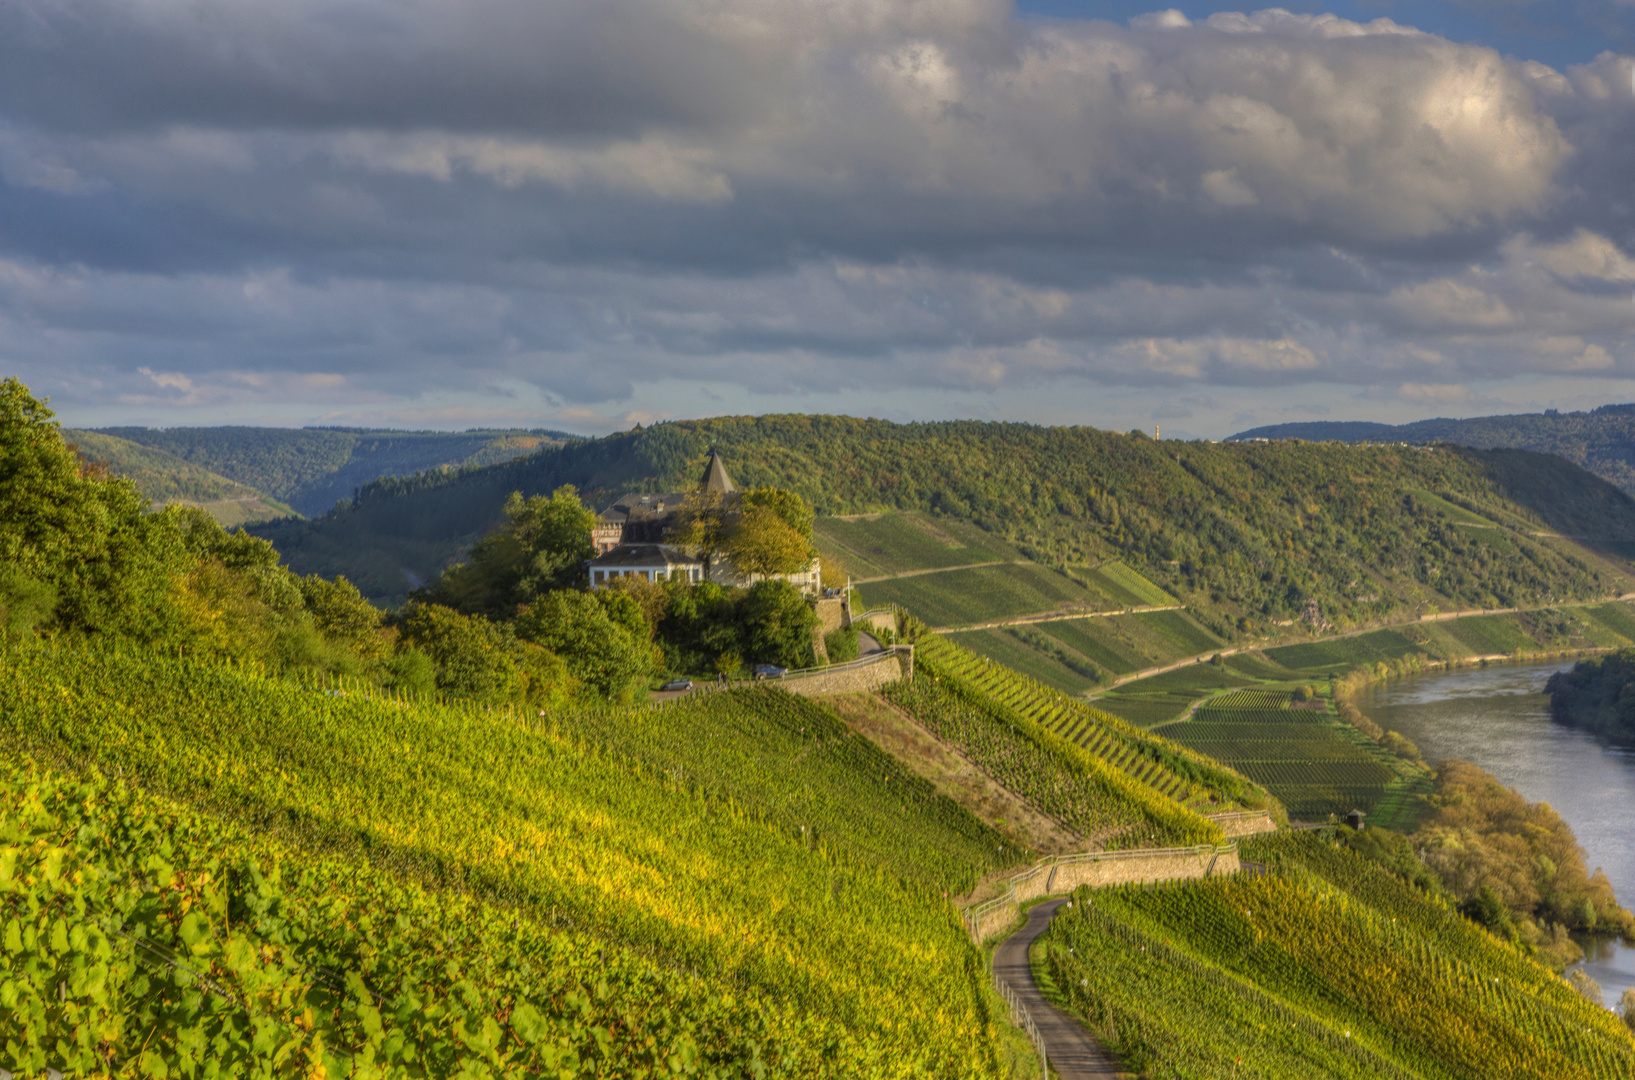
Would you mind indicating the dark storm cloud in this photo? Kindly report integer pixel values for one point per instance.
(586, 197)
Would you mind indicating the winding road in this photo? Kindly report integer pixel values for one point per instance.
(1073, 1054)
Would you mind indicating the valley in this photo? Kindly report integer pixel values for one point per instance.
(255, 823)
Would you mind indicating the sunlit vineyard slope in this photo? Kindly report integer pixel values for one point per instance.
(826, 906)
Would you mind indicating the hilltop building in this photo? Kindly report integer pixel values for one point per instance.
(629, 539)
(651, 562)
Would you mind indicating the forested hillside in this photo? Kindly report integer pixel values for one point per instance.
(313, 468)
(1602, 441)
(165, 479)
(1253, 531)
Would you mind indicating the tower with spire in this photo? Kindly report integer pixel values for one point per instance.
(629, 537)
(715, 479)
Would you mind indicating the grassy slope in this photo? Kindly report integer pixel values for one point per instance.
(165, 478)
(693, 856)
(1330, 966)
(1013, 701)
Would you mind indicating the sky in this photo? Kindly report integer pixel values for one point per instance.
(587, 214)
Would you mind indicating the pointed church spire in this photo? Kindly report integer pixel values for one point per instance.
(715, 475)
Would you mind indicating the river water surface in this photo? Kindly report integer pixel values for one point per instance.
(1499, 718)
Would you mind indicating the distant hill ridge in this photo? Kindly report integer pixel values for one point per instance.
(1252, 532)
(311, 469)
(1601, 440)
(166, 479)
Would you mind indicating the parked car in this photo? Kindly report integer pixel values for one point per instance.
(770, 671)
(678, 684)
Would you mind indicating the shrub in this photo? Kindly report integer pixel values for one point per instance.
(841, 644)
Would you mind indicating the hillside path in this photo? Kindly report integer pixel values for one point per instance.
(1072, 1052)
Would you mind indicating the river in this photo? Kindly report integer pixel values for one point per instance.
(1498, 718)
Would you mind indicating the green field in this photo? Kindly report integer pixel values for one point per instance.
(1313, 764)
(1124, 586)
(1146, 711)
(1092, 639)
(1327, 966)
(1194, 679)
(874, 545)
(315, 965)
(1342, 654)
(1616, 617)
(980, 594)
(1128, 643)
(1021, 702)
(1454, 513)
(780, 857)
(1486, 635)
(1003, 644)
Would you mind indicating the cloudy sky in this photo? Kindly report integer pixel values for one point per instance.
(589, 213)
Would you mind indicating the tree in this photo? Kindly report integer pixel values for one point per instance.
(341, 614)
(778, 625)
(701, 525)
(790, 508)
(761, 542)
(472, 656)
(651, 597)
(600, 636)
(80, 552)
(541, 547)
(1626, 1008)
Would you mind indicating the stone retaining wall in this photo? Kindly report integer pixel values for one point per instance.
(876, 620)
(832, 614)
(1244, 824)
(889, 668)
(1062, 874)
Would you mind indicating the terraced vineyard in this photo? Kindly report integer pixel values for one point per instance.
(981, 594)
(1342, 654)
(892, 543)
(1124, 585)
(1076, 654)
(704, 862)
(117, 904)
(1312, 765)
(1152, 761)
(1327, 966)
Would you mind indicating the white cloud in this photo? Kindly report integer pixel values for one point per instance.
(1585, 255)
(1446, 304)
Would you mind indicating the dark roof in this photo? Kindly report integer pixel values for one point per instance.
(715, 476)
(638, 504)
(643, 555)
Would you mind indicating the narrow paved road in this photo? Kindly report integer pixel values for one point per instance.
(1073, 1054)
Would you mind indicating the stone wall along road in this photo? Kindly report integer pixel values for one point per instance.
(1061, 874)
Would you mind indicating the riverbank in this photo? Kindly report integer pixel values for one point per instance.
(1497, 717)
